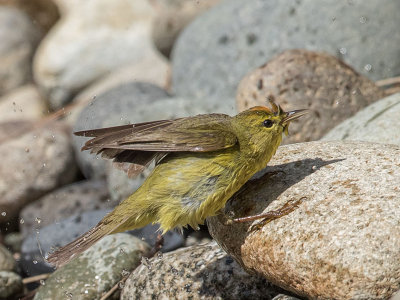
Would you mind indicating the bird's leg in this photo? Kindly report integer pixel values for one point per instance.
(157, 246)
(287, 208)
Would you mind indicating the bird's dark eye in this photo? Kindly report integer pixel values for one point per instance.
(268, 123)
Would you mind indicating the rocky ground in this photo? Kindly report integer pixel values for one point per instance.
(74, 65)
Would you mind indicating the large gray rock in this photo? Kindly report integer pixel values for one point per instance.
(67, 201)
(342, 241)
(299, 79)
(32, 164)
(118, 106)
(96, 270)
(199, 272)
(215, 51)
(18, 36)
(91, 39)
(378, 122)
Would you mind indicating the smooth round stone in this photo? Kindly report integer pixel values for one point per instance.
(96, 270)
(342, 241)
(377, 123)
(34, 162)
(301, 79)
(218, 48)
(91, 39)
(198, 272)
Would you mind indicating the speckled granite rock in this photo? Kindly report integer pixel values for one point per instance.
(218, 48)
(342, 242)
(378, 122)
(298, 79)
(199, 272)
(10, 285)
(7, 262)
(40, 159)
(67, 201)
(96, 270)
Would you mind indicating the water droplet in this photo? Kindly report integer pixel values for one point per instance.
(42, 282)
(343, 50)
(38, 220)
(314, 168)
(97, 277)
(145, 262)
(363, 20)
(21, 221)
(44, 165)
(4, 214)
(86, 292)
(34, 261)
(26, 150)
(367, 67)
(68, 294)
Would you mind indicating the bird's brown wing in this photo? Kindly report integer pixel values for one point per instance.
(133, 147)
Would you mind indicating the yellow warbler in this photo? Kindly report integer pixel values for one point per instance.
(201, 162)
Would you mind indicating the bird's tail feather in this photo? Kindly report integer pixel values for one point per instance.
(64, 254)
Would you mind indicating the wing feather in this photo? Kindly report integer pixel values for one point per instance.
(134, 146)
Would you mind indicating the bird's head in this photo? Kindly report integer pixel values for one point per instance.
(261, 127)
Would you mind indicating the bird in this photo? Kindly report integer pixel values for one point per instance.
(200, 162)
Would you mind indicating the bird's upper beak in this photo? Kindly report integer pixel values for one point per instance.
(290, 116)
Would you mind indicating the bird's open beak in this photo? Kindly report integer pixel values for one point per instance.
(290, 116)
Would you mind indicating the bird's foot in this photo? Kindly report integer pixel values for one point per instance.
(267, 217)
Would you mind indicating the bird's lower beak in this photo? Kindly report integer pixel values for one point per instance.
(290, 116)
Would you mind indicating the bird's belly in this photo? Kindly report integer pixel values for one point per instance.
(187, 189)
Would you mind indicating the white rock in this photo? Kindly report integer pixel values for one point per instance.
(92, 38)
